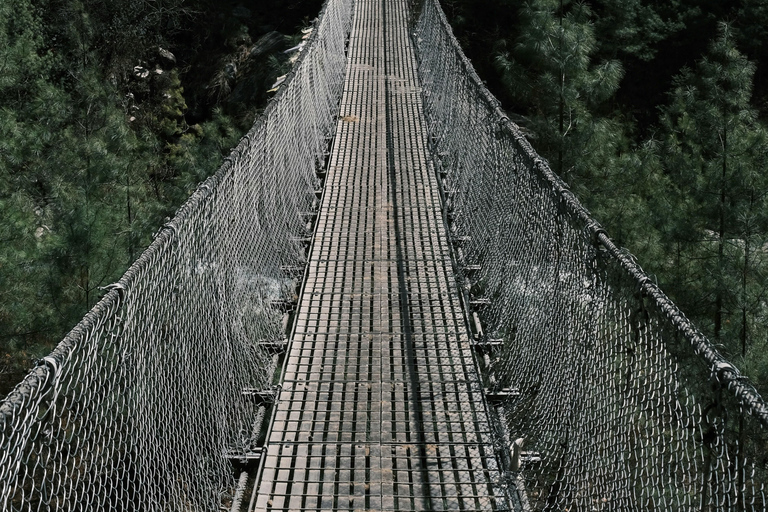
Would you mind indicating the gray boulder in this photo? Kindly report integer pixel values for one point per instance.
(267, 43)
(167, 59)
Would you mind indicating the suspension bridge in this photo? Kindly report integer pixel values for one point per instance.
(383, 300)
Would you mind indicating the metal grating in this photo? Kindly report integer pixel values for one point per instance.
(381, 406)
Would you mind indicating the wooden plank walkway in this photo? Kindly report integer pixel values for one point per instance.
(381, 407)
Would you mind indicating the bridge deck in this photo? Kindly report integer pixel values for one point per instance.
(381, 407)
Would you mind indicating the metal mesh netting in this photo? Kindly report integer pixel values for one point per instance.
(621, 403)
(139, 406)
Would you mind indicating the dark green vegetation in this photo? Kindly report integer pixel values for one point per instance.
(654, 111)
(111, 112)
(655, 114)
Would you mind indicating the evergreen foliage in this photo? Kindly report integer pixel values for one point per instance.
(715, 152)
(630, 28)
(99, 142)
(655, 116)
(660, 132)
(552, 74)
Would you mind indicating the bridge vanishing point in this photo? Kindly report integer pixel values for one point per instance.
(384, 300)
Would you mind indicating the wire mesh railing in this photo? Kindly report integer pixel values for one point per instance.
(608, 397)
(142, 405)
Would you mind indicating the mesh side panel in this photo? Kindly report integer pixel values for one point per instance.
(138, 406)
(618, 401)
(621, 403)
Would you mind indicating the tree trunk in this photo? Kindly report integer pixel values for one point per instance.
(721, 237)
(745, 270)
(130, 217)
(561, 105)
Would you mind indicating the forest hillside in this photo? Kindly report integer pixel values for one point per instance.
(654, 112)
(111, 112)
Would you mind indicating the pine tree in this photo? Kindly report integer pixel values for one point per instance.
(70, 182)
(752, 21)
(22, 56)
(715, 152)
(630, 28)
(551, 74)
(30, 114)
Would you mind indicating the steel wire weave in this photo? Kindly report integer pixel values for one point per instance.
(141, 405)
(620, 403)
